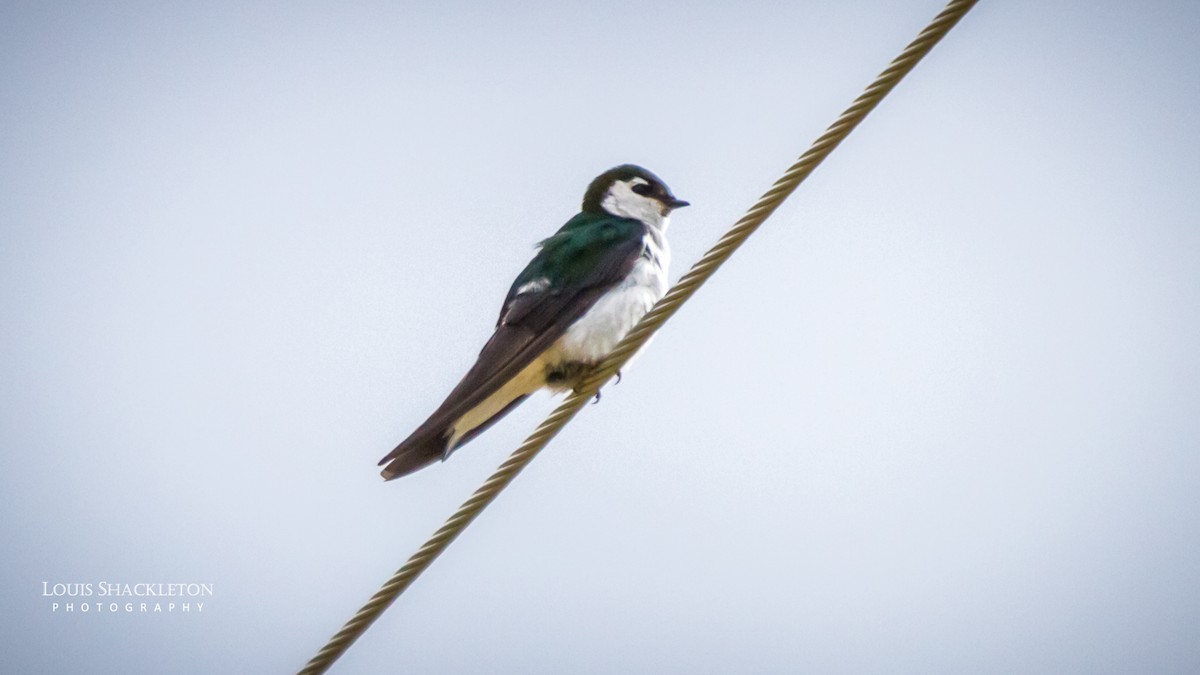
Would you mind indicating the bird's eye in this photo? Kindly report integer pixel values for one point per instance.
(642, 189)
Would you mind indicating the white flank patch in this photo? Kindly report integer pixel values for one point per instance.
(535, 286)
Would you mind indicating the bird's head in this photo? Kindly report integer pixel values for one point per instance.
(629, 191)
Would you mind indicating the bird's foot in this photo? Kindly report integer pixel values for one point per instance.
(597, 399)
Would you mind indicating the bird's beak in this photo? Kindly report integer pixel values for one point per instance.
(673, 203)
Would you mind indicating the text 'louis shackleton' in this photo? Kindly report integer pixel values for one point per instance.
(152, 598)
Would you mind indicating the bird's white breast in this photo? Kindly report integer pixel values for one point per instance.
(595, 334)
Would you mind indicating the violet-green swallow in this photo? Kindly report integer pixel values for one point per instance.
(583, 291)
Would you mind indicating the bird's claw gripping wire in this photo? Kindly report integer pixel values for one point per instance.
(597, 399)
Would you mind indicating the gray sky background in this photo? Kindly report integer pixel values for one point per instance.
(938, 416)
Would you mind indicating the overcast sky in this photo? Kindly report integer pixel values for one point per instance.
(939, 415)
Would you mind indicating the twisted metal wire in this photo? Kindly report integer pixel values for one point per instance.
(663, 310)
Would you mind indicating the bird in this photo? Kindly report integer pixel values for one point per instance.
(585, 288)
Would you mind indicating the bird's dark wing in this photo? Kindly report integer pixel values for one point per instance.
(574, 268)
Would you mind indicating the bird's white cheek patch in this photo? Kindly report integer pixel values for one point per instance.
(622, 201)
